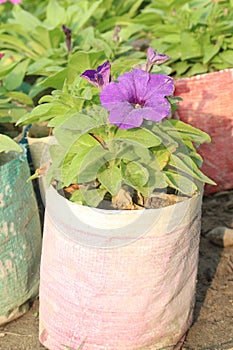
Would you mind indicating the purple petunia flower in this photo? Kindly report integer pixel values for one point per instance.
(154, 58)
(100, 77)
(138, 95)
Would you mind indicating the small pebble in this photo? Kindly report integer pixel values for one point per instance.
(221, 236)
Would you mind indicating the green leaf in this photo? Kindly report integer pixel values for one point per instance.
(156, 181)
(37, 66)
(7, 144)
(88, 119)
(87, 14)
(20, 97)
(134, 8)
(111, 179)
(43, 112)
(59, 120)
(177, 126)
(26, 19)
(91, 197)
(162, 155)
(141, 136)
(57, 155)
(55, 14)
(77, 154)
(42, 35)
(15, 77)
(130, 30)
(16, 44)
(135, 173)
(161, 131)
(197, 68)
(56, 80)
(185, 164)
(129, 150)
(190, 47)
(6, 67)
(210, 51)
(180, 182)
(10, 113)
(92, 163)
(190, 148)
(227, 56)
(56, 38)
(181, 67)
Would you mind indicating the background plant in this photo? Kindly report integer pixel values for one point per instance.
(35, 53)
(8, 145)
(196, 34)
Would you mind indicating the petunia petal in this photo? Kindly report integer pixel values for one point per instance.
(154, 58)
(161, 108)
(111, 94)
(141, 80)
(134, 85)
(104, 72)
(99, 77)
(90, 75)
(123, 116)
(127, 86)
(148, 113)
(159, 85)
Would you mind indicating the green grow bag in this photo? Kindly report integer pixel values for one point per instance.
(20, 237)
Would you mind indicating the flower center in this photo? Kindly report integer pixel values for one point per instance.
(137, 106)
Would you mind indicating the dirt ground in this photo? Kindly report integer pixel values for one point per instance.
(212, 328)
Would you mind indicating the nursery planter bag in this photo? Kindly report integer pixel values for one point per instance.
(20, 239)
(39, 150)
(207, 104)
(118, 279)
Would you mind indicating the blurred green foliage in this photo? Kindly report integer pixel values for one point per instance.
(196, 34)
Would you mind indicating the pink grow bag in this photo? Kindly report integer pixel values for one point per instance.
(207, 104)
(118, 280)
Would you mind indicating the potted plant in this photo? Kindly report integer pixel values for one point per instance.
(198, 35)
(122, 221)
(40, 53)
(20, 233)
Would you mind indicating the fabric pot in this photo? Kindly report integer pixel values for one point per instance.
(207, 104)
(20, 239)
(39, 150)
(117, 279)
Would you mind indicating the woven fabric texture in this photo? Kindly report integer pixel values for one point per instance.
(39, 151)
(207, 104)
(137, 296)
(20, 239)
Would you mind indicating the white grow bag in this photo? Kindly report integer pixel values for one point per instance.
(118, 280)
